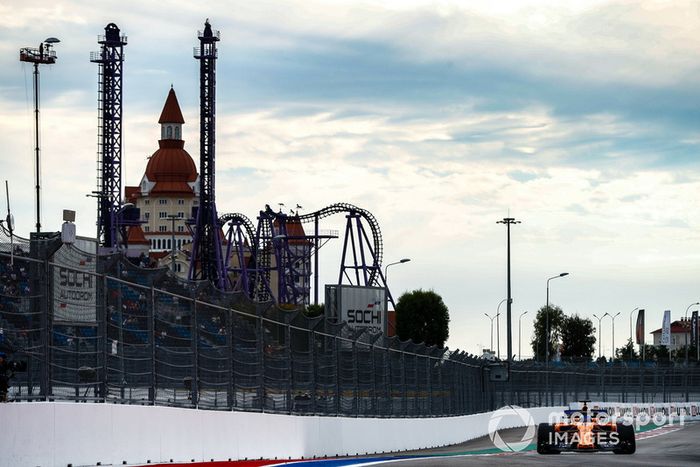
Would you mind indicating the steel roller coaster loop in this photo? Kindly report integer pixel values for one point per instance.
(278, 244)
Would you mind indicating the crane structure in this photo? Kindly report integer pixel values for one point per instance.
(207, 260)
(110, 211)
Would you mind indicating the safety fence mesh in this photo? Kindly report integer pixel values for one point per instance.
(105, 330)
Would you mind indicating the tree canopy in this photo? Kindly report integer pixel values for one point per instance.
(538, 343)
(577, 338)
(422, 316)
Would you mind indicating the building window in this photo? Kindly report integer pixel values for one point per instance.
(180, 228)
(180, 202)
(169, 245)
(147, 215)
(158, 244)
(162, 228)
(162, 201)
(162, 215)
(177, 132)
(181, 215)
(146, 228)
(146, 201)
(170, 132)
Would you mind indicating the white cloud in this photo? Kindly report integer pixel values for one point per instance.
(436, 178)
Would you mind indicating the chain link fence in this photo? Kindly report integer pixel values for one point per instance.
(102, 329)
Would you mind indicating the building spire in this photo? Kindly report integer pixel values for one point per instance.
(171, 110)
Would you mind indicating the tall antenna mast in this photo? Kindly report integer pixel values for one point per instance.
(109, 154)
(207, 262)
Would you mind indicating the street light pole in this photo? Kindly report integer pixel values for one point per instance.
(41, 55)
(689, 329)
(600, 331)
(520, 335)
(498, 328)
(386, 284)
(508, 221)
(491, 318)
(386, 268)
(547, 343)
(631, 338)
(612, 317)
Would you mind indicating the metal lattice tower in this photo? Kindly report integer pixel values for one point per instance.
(207, 262)
(109, 154)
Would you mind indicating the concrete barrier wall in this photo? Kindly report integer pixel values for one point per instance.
(57, 434)
(60, 433)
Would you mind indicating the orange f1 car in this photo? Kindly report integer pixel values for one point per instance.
(585, 431)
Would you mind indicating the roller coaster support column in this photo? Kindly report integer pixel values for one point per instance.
(316, 247)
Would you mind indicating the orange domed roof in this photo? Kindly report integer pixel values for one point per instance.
(171, 163)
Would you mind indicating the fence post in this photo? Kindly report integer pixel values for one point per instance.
(337, 375)
(261, 353)
(403, 383)
(230, 342)
(46, 328)
(106, 345)
(373, 355)
(152, 335)
(312, 353)
(389, 382)
(290, 368)
(194, 327)
(357, 378)
(430, 385)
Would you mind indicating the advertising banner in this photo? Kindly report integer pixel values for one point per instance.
(666, 329)
(74, 286)
(640, 327)
(360, 307)
(694, 329)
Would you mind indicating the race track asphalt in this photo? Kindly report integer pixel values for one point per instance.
(673, 446)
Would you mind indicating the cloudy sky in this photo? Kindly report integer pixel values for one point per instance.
(579, 118)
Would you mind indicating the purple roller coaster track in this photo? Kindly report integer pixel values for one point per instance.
(279, 245)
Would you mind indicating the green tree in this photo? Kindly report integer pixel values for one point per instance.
(577, 338)
(627, 352)
(556, 318)
(422, 316)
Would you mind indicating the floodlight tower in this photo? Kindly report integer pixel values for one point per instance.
(41, 55)
(109, 153)
(206, 261)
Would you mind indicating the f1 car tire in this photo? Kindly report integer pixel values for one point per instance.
(627, 443)
(545, 432)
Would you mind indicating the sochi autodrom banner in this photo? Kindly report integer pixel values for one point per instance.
(694, 329)
(666, 329)
(74, 285)
(640, 327)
